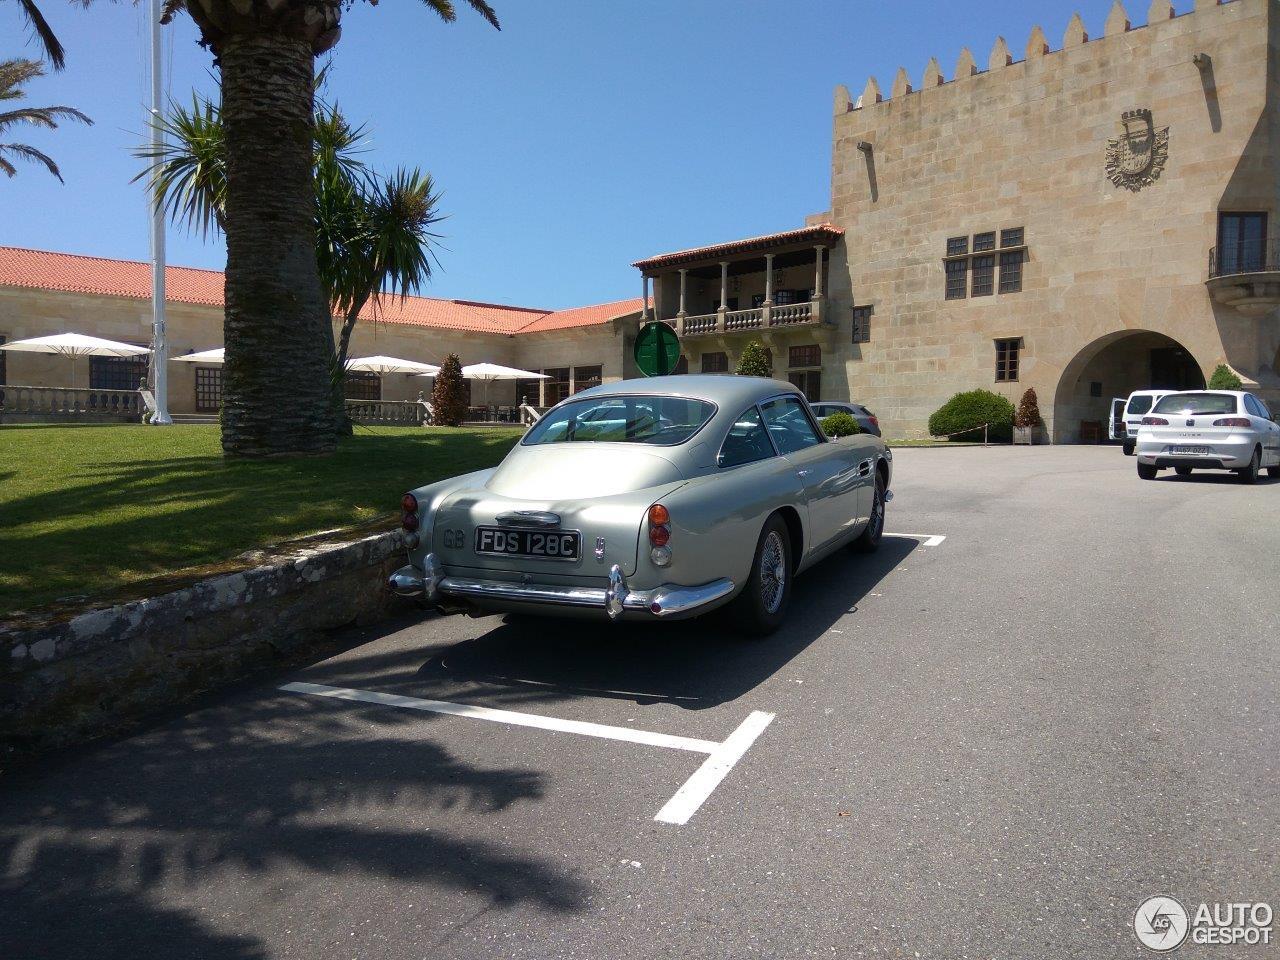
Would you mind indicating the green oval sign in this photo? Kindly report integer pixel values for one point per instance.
(657, 349)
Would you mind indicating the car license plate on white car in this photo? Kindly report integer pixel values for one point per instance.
(548, 545)
(1182, 448)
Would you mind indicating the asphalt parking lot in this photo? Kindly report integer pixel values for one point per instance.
(1054, 696)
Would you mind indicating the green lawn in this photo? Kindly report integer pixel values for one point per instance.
(91, 510)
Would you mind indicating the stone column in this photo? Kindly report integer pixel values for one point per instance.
(644, 314)
(817, 275)
(724, 295)
(684, 281)
(768, 279)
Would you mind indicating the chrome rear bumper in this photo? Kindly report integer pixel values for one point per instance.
(430, 584)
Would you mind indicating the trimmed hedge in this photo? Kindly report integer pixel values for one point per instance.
(840, 425)
(1224, 378)
(971, 409)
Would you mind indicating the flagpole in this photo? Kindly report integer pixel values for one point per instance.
(160, 351)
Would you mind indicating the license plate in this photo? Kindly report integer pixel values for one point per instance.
(1183, 448)
(545, 544)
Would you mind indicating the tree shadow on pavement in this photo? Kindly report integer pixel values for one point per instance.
(101, 853)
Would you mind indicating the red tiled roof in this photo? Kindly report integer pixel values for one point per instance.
(584, 316)
(817, 233)
(44, 270)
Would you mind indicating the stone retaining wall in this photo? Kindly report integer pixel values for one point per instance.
(69, 679)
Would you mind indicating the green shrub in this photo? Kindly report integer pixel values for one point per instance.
(1224, 378)
(448, 395)
(965, 411)
(840, 425)
(755, 361)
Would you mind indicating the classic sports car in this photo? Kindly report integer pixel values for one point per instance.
(657, 498)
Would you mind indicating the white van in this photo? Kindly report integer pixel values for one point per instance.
(1126, 416)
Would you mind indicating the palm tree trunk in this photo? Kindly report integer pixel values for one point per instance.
(279, 342)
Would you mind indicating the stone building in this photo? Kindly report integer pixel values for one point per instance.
(1086, 220)
(45, 293)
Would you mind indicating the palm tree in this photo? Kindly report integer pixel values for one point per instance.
(13, 74)
(276, 329)
(44, 33)
(372, 234)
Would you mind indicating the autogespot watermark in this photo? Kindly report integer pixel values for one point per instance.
(1162, 923)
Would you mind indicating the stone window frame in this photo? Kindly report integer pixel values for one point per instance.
(1008, 359)
(208, 389)
(718, 365)
(807, 361)
(967, 263)
(862, 323)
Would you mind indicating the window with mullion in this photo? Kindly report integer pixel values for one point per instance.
(862, 324)
(1242, 240)
(1011, 271)
(984, 241)
(957, 279)
(984, 271)
(1007, 358)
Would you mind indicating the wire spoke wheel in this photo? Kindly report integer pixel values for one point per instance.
(773, 572)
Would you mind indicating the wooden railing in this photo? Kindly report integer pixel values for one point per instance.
(410, 413)
(69, 403)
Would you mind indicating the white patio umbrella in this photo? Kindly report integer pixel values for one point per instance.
(75, 345)
(204, 356)
(494, 371)
(383, 365)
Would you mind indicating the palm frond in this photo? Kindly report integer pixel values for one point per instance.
(171, 8)
(47, 117)
(44, 33)
(445, 10)
(31, 154)
(188, 170)
(14, 74)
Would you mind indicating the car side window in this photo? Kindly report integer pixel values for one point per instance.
(747, 441)
(789, 425)
(1256, 407)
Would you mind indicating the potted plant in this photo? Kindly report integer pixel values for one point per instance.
(1028, 427)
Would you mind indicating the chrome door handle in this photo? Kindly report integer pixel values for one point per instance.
(864, 468)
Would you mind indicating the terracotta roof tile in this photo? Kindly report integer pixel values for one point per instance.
(44, 270)
(817, 233)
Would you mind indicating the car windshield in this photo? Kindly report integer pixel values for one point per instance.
(1194, 403)
(1140, 404)
(660, 421)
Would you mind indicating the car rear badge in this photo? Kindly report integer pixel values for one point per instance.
(1191, 423)
(599, 551)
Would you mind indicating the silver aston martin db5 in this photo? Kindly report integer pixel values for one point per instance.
(659, 498)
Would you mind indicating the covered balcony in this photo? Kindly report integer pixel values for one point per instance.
(753, 286)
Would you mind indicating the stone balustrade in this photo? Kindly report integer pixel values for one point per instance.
(808, 313)
(20, 403)
(404, 413)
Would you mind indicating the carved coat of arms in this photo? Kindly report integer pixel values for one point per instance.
(1137, 158)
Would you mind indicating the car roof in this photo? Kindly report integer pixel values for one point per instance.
(1225, 393)
(1143, 393)
(721, 389)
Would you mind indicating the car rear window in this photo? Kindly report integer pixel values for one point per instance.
(1139, 404)
(1194, 403)
(659, 421)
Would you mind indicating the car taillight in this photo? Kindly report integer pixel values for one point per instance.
(1154, 422)
(409, 512)
(874, 421)
(1233, 422)
(659, 534)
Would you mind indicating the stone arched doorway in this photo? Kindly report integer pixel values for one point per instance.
(1115, 366)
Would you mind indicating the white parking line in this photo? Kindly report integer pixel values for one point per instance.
(926, 539)
(715, 768)
(721, 757)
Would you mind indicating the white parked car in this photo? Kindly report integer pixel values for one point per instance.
(1126, 416)
(1209, 430)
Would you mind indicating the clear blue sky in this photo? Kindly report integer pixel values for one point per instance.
(586, 134)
